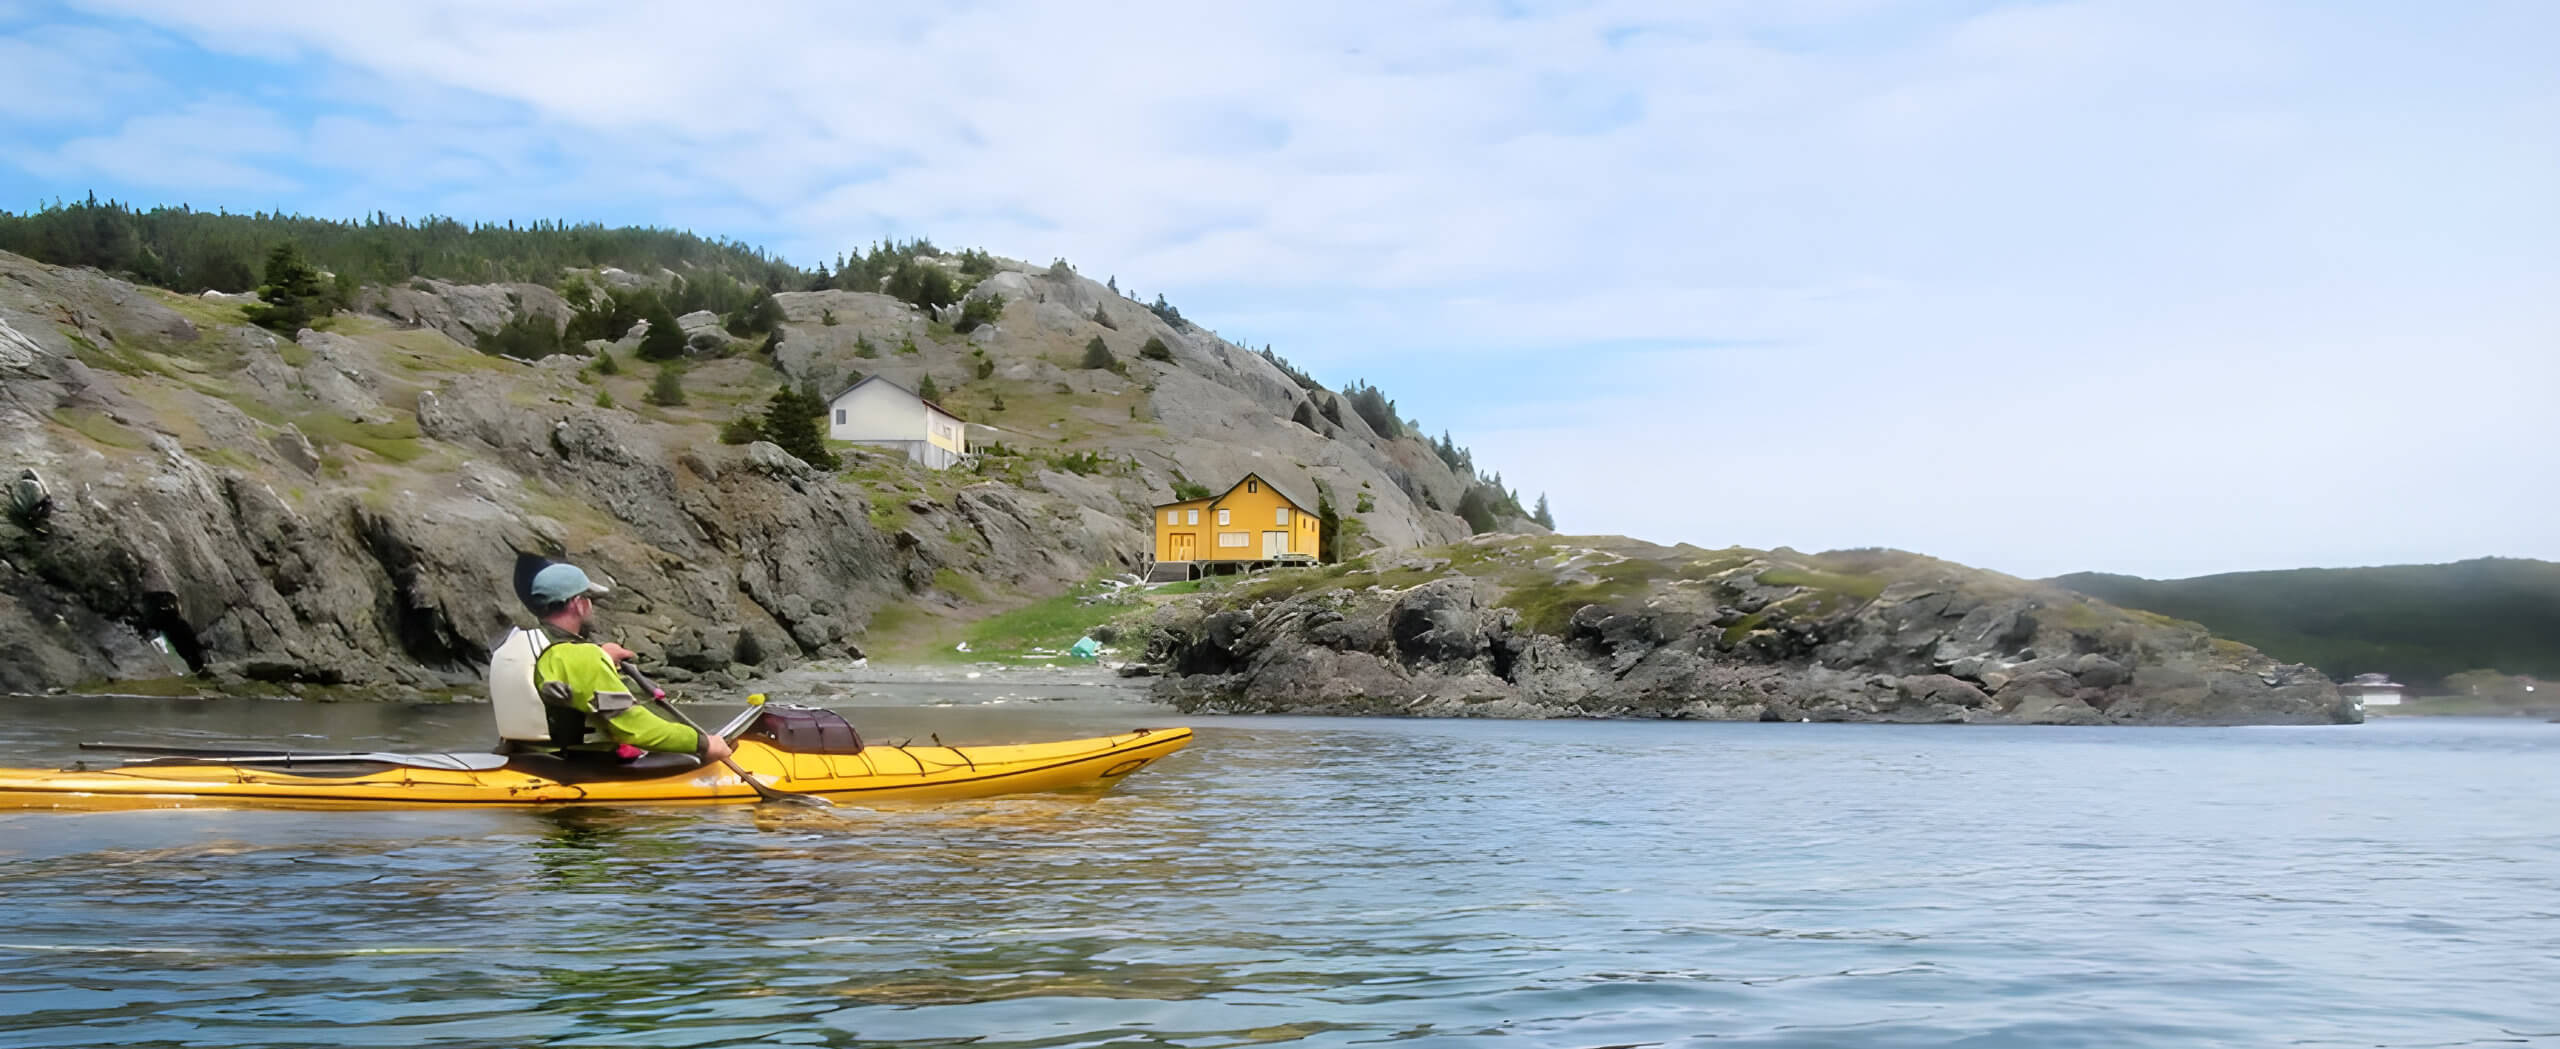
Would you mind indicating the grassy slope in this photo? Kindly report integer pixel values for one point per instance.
(2417, 623)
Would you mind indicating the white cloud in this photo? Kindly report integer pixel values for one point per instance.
(52, 75)
(211, 145)
(2024, 206)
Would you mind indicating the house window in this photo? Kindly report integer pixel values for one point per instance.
(1235, 539)
(1280, 516)
(1253, 486)
(1222, 517)
(1173, 517)
(1194, 515)
(839, 416)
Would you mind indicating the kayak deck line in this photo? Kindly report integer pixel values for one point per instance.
(923, 774)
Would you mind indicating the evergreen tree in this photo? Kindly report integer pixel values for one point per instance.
(1544, 519)
(761, 315)
(928, 390)
(982, 310)
(1154, 350)
(665, 339)
(922, 284)
(1097, 355)
(293, 292)
(667, 390)
(791, 420)
(1375, 409)
(1480, 507)
(1328, 526)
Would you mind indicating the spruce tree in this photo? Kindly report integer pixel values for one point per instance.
(293, 292)
(791, 420)
(1544, 519)
(1097, 355)
(667, 390)
(665, 339)
(928, 390)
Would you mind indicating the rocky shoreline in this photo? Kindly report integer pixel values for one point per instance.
(1553, 626)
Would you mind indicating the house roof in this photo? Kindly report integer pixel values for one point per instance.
(858, 384)
(1221, 497)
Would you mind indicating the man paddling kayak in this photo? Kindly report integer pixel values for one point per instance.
(592, 710)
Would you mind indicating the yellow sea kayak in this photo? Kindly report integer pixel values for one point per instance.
(873, 772)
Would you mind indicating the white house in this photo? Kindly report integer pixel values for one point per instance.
(2374, 690)
(878, 412)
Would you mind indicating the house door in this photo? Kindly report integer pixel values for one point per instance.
(1182, 550)
(1275, 544)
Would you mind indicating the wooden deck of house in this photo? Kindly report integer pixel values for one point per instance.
(1183, 571)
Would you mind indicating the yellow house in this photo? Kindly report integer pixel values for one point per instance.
(1253, 521)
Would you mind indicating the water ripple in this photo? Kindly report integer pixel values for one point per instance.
(1345, 883)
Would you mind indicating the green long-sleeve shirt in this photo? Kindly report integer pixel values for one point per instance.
(597, 690)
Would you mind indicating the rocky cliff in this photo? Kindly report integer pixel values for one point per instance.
(1556, 626)
(341, 506)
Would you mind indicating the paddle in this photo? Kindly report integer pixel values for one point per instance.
(162, 755)
(763, 790)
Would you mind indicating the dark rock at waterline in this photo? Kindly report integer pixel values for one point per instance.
(1565, 627)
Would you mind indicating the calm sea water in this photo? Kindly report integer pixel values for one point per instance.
(1338, 882)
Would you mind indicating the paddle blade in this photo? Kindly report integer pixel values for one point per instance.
(528, 566)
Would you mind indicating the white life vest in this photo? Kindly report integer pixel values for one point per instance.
(512, 693)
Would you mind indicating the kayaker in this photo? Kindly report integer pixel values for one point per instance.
(593, 711)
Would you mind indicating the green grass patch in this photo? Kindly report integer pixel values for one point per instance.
(1707, 568)
(200, 311)
(1743, 627)
(251, 406)
(958, 584)
(95, 426)
(1547, 606)
(115, 358)
(395, 441)
(1053, 623)
(902, 633)
(224, 457)
(1863, 587)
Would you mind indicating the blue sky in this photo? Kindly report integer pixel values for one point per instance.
(2164, 287)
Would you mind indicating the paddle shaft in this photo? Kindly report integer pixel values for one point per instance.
(763, 790)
